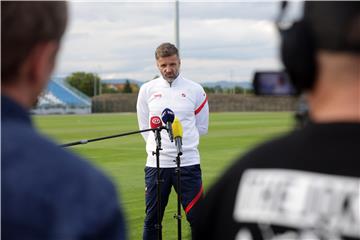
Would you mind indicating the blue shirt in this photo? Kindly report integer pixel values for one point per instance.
(49, 193)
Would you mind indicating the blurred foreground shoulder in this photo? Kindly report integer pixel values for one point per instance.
(54, 194)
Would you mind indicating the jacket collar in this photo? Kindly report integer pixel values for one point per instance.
(10, 110)
(174, 83)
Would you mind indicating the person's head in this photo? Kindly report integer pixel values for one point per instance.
(30, 39)
(168, 61)
(328, 28)
(321, 53)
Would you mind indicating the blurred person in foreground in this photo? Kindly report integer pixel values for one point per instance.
(304, 185)
(189, 102)
(46, 192)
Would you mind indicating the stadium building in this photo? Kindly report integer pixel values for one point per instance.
(60, 98)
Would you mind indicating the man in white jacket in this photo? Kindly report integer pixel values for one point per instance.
(189, 102)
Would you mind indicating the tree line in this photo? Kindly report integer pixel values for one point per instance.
(90, 84)
(235, 90)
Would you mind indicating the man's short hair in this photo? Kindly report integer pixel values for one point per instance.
(166, 50)
(23, 26)
(335, 25)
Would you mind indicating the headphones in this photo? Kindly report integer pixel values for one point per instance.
(297, 52)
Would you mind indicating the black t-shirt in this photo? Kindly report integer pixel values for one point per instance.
(305, 185)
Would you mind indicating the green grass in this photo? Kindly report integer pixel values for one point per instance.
(123, 159)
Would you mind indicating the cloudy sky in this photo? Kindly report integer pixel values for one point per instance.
(218, 40)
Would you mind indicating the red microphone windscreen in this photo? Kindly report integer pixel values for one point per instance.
(155, 122)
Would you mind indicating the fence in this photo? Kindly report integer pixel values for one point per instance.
(217, 103)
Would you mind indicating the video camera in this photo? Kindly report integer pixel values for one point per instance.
(277, 83)
(272, 83)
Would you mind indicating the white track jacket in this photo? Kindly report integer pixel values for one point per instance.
(188, 101)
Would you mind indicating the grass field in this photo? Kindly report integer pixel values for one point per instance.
(123, 159)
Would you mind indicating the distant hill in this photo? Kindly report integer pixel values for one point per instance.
(228, 84)
(222, 84)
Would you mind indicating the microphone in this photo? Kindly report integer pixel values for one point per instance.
(156, 124)
(167, 117)
(178, 133)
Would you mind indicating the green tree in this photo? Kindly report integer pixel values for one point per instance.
(239, 90)
(127, 87)
(209, 90)
(228, 90)
(218, 89)
(87, 83)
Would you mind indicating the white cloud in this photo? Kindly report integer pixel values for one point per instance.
(205, 70)
(217, 40)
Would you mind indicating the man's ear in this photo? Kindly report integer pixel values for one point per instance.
(42, 62)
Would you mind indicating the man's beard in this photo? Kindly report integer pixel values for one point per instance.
(170, 80)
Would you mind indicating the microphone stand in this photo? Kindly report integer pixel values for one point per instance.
(85, 141)
(178, 183)
(158, 226)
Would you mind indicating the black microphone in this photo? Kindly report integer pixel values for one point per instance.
(168, 117)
